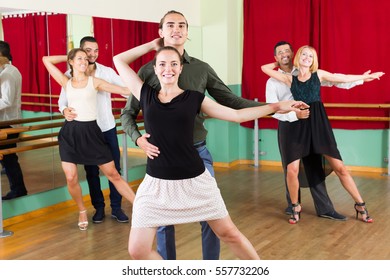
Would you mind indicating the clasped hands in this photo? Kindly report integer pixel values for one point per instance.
(298, 107)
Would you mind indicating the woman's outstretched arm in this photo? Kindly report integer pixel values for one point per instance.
(347, 78)
(218, 111)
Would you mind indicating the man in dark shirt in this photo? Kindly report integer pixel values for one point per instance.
(196, 75)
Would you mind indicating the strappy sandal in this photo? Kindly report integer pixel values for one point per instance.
(368, 219)
(293, 220)
(83, 225)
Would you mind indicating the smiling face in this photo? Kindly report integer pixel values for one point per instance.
(168, 66)
(174, 30)
(283, 55)
(78, 60)
(92, 50)
(306, 57)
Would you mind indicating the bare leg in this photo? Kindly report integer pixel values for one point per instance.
(348, 184)
(345, 178)
(120, 184)
(226, 230)
(141, 242)
(74, 188)
(293, 188)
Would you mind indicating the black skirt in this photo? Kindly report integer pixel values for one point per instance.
(309, 139)
(83, 143)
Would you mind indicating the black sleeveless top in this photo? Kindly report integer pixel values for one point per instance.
(171, 128)
(308, 91)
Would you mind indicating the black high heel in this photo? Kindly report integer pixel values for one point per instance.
(292, 219)
(368, 219)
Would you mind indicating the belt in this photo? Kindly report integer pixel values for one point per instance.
(200, 144)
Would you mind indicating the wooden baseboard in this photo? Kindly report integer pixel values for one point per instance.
(279, 164)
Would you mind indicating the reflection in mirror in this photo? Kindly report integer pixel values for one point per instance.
(41, 164)
(27, 33)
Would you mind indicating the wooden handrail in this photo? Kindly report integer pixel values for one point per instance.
(4, 132)
(356, 105)
(40, 104)
(26, 148)
(31, 120)
(30, 128)
(40, 95)
(28, 138)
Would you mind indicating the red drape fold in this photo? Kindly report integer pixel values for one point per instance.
(32, 36)
(116, 35)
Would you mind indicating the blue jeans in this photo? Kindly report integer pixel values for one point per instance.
(210, 243)
(93, 179)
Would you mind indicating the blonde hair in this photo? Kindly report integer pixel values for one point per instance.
(314, 65)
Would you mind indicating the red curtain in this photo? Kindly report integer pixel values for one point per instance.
(350, 37)
(32, 36)
(116, 35)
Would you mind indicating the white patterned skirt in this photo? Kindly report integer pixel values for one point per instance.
(160, 202)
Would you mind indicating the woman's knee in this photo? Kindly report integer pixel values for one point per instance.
(292, 169)
(112, 174)
(231, 235)
(134, 252)
(340, 170)
(71, 179)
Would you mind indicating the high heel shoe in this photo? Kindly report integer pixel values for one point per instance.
(293, 220)
(83, 225)
(368, 219)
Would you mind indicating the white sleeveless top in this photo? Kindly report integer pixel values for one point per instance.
(83, 100)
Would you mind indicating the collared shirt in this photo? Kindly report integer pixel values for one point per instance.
(10, 93)
(105, 118)
(276, 91)
(197, 76)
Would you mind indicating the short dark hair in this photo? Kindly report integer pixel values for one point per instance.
(5, 50)
(281, 43)
(87, 39)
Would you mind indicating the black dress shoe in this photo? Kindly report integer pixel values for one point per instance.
(12, 195)
(119, 216)
(99, 215)
(333, 216)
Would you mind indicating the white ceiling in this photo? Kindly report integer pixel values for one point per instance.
(7, 10)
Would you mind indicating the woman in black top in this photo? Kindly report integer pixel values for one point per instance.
(177, 188)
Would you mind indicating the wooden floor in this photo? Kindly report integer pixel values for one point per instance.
(255, 199)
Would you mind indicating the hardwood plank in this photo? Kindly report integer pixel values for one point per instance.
(255, 199)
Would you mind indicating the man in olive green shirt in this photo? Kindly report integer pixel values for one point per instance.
(196, 75)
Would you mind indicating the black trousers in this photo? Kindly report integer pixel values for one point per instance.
(12, 168)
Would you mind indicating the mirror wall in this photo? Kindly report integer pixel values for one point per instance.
(42, 167)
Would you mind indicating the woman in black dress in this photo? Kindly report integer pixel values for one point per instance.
(313, 135)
